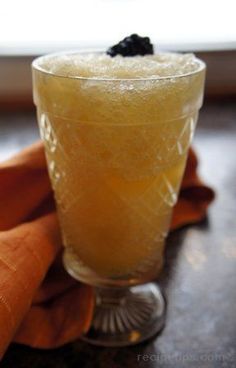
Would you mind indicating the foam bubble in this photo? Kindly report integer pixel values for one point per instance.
(94, 65)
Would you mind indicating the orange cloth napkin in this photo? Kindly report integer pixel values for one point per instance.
(40, 305)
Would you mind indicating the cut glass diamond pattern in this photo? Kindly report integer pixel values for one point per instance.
(140, 167)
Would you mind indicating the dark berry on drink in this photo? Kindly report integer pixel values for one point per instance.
(131, 46)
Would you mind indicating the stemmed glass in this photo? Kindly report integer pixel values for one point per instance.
(116, 151)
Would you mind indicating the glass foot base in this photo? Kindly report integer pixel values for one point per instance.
(126, 316)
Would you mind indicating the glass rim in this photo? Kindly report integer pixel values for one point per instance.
(35, 66)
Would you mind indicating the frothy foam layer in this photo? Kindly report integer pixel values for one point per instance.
(94, 65)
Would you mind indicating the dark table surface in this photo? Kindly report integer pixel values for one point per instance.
(199, 278)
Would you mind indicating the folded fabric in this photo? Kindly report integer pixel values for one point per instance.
(40, 305)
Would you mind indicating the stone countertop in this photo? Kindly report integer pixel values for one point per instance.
(199, 276)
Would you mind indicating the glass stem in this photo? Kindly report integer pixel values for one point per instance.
(111, 297)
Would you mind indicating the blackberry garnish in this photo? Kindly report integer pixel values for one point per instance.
(131, 46)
